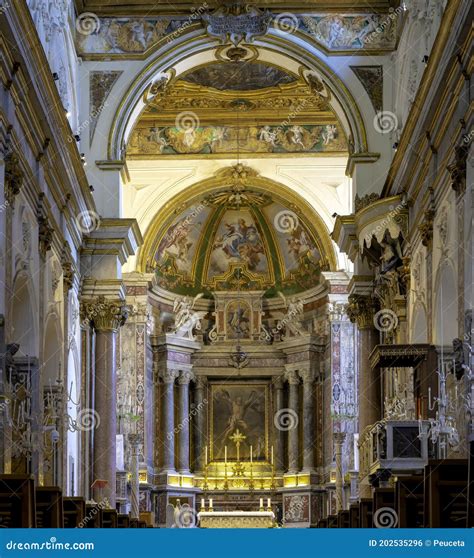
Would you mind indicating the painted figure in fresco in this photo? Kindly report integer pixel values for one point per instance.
(156, 135)
(242, 242)
(177, 238)
(268, 136)
(296, 136)
(329, 133)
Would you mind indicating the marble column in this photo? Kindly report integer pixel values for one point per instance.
(106, 317)
(308, 420)
(339, 438)
(134, 441)
(293, 420)
(199, 423)
(184, 418)
(361, 310)
(168, 377)
(279, 457)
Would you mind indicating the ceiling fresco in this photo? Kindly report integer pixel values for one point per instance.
(238, 76)
(193, 119)
(237, 239)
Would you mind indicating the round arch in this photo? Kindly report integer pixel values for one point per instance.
(445, 327)
(191, 49)
(24, 327)
(217, 182)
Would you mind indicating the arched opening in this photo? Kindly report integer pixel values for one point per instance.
(22, 311)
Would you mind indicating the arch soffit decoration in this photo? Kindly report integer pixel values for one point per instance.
(293, 55)
(258, 183)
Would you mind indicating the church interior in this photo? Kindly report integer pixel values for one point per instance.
(236, 280)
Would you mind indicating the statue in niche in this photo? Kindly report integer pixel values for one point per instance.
(186, 319)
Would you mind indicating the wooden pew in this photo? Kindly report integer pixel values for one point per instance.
(365, 513)
(142, 524)
(108, 519)
(92, 518)
(332, 521)
(445, 488)
(49, 507)
(17, 501)
(409, 501)
(343, 519)
(133, 523)
(354, 516)
(74, 511)
(123, 520)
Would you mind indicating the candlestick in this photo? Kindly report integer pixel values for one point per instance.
(269, 502)
(210, 504)
(271, 461)
(203, 504)
(206, 456)
(225, 455)
(251, 454)
(261, 503)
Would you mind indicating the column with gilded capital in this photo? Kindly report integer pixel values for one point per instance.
(184, 378)
(293, 420)
(168, 376)
(307, 376)
(199, 422)
(106, 317)
(361, 310)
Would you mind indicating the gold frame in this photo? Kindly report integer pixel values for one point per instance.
(266, 385)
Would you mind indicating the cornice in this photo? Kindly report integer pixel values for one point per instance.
(428, 82)
(36, 93)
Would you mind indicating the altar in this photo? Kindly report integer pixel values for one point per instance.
(236, 519)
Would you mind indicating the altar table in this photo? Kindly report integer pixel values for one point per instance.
(236, 519)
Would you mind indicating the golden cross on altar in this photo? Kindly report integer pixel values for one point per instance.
(237, 437)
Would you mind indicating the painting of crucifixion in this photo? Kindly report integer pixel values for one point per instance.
(241, 407)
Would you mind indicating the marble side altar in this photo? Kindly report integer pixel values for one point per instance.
(236, 519)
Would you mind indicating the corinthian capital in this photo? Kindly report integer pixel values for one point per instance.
(104, 314)
(168, 375)
(361, 310)
(13, 177)
(307, 376)
(292, 377)
(185, 377)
